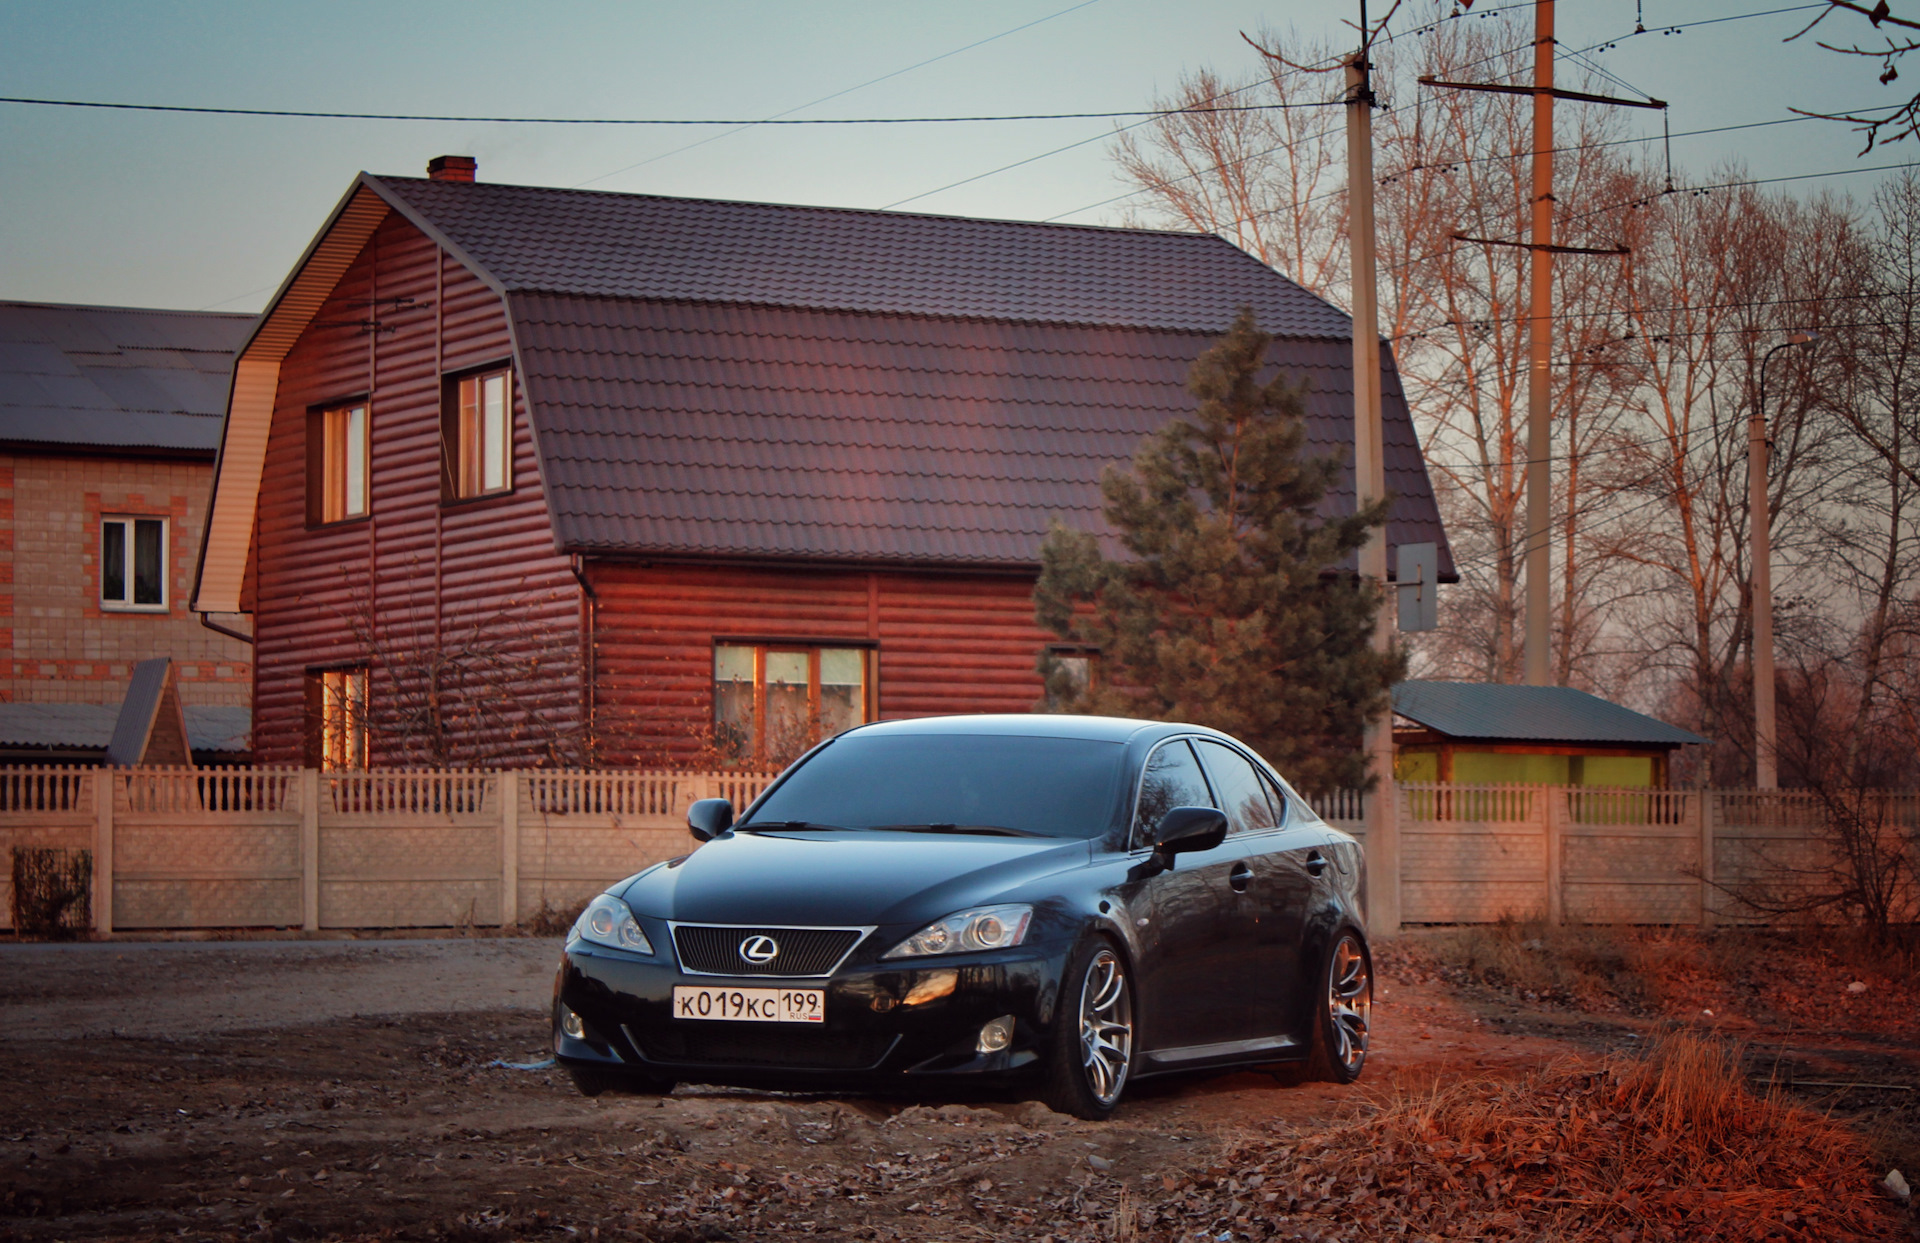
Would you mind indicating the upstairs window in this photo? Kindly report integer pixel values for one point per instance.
(337, 464)
(773, 701)
(337, 707)
(133, 564)
(478, 431)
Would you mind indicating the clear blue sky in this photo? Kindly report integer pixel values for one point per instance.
(192, 211)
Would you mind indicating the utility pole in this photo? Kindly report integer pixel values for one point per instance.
(1539, 359)
(1538, 547)
(1370, 481)
(1766, 740)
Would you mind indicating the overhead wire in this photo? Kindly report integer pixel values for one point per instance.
(1318, 66)
(701, 142)
(980, 118)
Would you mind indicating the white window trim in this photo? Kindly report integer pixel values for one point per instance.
(166, 547)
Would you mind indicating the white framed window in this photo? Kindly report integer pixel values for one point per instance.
(479, 435)
(133, 564)
(337, 464)
(771, 701)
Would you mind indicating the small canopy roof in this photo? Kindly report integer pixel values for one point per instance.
(89, 727)
(1491, 713)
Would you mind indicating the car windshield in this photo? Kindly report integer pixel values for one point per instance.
(1055, 787)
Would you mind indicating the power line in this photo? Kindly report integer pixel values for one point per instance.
(1679, 190)
(1317, 66)
(650, 121)
(711, 138)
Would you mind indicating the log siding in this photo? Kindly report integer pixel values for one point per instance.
(944, 643)
(415, 579)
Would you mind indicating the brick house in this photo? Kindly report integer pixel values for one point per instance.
(109, 423)
(525, 475)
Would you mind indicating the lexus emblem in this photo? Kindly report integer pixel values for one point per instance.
(759, 949)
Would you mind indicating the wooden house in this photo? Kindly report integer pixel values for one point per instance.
(525, 475)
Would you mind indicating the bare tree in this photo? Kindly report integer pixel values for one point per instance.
(500, 687)
(1903, 120)
(1269, 179)
(1456, 313)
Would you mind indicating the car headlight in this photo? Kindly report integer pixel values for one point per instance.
(983, 928)
(607, 921)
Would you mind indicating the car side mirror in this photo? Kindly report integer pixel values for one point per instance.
(709, 818)
(1190, 828)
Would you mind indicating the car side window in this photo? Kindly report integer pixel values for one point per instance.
(1243, 796)
(1277, 794)
(1172, 779)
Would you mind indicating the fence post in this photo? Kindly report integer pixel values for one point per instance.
(310, 849)
(103, 851)
(1383, 858)
(509, 847)
(1709, 803)
(1554, 806)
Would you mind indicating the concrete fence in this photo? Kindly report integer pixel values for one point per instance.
(1577, 854)
(299, 848)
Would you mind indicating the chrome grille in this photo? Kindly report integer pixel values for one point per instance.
(715, 949)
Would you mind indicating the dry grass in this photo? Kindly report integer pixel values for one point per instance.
(1795, 977)
(1591, 967)
(1670, 1146)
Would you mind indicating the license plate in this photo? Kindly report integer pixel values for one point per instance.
(750, 1005)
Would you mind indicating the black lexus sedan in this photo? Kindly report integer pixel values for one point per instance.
(1072, 902)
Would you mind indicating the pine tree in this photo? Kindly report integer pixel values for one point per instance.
(1227, 610)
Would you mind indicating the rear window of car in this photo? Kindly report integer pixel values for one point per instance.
(1060, 787)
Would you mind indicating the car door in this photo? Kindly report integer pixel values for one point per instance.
(1273, 887)
(1191, 968)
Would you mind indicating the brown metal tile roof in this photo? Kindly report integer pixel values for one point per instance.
(760, 431)
(719, 379)
(532, 238)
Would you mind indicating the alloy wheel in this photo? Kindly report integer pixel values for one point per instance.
(1349, 1004)
(1106, 1026)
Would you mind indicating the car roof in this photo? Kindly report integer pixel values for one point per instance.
(1027, 725)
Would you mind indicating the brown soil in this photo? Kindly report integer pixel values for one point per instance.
(293, 1090)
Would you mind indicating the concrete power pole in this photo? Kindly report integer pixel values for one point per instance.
(1539, 360)
(1538, 546)
(1370, 484)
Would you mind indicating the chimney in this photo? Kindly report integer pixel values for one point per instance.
(452, 168)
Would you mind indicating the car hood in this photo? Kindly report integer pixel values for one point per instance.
(852, 877)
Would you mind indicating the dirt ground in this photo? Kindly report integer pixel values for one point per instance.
(311, 1089)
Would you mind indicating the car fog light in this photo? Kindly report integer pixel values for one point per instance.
(570, 1024)
(996, 1035)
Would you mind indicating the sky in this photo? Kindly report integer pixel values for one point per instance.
(206, 212)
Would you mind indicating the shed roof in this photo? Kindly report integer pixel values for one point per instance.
(90, 726)
(1489, 713)
(115, 377)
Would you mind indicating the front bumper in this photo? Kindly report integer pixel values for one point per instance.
(885, 1022)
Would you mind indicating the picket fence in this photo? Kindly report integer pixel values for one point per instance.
(304, 849)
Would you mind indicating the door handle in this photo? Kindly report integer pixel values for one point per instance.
(1239, 877)
(1316, 863)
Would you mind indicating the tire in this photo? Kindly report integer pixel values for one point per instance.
(593, 1081)
(1342, 1010)
(1091, 1052)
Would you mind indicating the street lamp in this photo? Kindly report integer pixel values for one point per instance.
(1765, 736)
